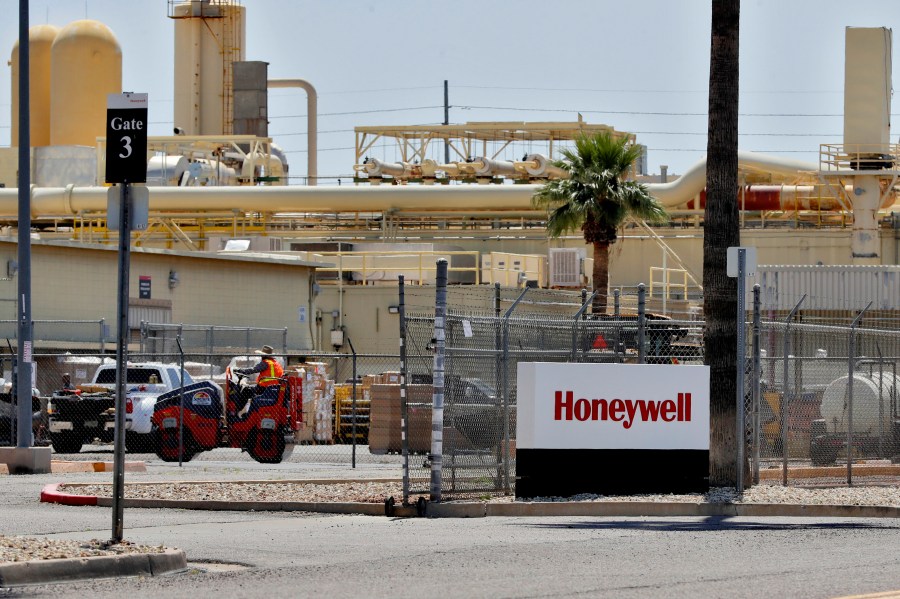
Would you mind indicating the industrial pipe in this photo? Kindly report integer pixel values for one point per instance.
(376, 168)
(487, 167)
(693, 181)
(70, 201)
(538, 165)
(56, 201)
(312, 166)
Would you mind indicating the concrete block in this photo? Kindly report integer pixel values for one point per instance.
(26, 460)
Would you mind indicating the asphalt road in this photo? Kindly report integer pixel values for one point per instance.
(310, 555)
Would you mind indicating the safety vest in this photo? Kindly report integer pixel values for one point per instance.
(271, 374)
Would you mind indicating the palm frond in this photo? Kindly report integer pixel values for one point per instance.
(596, 190)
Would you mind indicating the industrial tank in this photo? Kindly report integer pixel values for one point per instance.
(86, 65)
(40, 40)
(874, 396)
(209, 38)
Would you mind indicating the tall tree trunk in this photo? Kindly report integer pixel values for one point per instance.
(600, 275)
(721, 230)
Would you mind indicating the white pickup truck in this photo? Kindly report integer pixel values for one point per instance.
(72, 424)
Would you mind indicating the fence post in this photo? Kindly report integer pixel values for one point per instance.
(642, 292)
(505, 378)
(103, 337)
(581, 314)
(757, 375)
(210, 340)
(353, 407)
(284, 341)
(404, 408)
(181, 403)
(617, 306)
(497, 338)
(741, 364)
(437, 406)
(852, 359)
(782, 405)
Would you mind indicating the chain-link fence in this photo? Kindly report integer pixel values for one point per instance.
(808, 425)
(479, 354)
(833, 433)
(805, 424)
(75, 411)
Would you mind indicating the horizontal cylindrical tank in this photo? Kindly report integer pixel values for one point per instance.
(486, 167)
(377, 168)
(40, 40)
(872, 397)
(86, 65)
(538, 165)
(166, 170)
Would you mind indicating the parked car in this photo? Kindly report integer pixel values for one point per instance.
(80, 415)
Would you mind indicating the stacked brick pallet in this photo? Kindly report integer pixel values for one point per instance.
(318, 403)
(384, 424)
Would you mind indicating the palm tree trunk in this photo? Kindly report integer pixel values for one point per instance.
(600, 275)
(721, 230)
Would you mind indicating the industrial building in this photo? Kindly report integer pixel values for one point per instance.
(248, 247)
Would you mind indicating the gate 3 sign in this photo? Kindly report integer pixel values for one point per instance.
(126, 138)
(611, 428)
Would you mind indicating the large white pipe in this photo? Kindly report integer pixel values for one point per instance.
(70, 201)
(312, 143)
(693, 181)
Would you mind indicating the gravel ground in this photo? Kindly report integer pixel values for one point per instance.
(18, 549)
(372, 492)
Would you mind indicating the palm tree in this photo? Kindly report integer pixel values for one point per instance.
(596, 199)
(721, 230)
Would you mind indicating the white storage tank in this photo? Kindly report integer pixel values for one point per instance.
(86, 66)
(40, 40)
(872, 397)
(209, 38)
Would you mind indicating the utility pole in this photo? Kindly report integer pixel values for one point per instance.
(446, 120)
(24, 458)
(24, 332)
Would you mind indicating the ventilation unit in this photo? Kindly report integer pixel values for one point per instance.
(565, 267)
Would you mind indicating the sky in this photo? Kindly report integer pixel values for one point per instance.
(640, 66)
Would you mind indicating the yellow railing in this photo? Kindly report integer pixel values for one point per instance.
(417, 267)
(665, 285)
(859, 157)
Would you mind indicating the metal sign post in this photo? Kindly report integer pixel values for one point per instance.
(126, 163)
(740, 260)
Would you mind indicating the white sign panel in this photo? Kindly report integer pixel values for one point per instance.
(612, 406)
(732, 259)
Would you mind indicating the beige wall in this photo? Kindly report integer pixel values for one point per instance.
(80, 283)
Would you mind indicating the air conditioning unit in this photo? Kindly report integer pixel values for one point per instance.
(565, 267)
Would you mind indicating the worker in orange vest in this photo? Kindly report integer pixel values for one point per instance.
(268, 371)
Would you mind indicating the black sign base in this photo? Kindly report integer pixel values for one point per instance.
(568, 472)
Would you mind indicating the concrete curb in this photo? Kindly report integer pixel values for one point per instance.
(67, 466)
(50, 494)
(829, 471)
(482, 509)
(103, 566)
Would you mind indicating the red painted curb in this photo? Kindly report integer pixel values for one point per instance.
(49, 494)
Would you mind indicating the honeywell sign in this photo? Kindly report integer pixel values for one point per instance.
(612, 406)
(611, 420)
